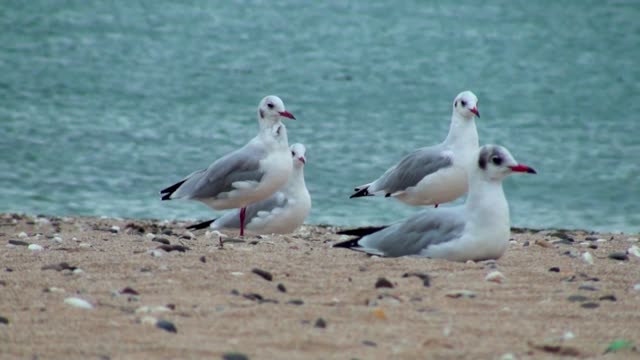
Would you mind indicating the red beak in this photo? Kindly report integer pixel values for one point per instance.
(302, 159)
(522, 168)
(475, 111)
(287, 114)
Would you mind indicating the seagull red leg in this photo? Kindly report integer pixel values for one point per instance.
(242, 214)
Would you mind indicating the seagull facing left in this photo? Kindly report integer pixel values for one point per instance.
(249, 174)
(477, 230)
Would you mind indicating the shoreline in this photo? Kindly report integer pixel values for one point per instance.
(294, 296)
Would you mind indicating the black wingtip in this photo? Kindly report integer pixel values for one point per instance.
(362, 231)
(349, 244)
(167, 192)
(360, 193)
(202, 225)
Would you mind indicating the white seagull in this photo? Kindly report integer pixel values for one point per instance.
(281, 213)
(249, 174)
(477, 230)
(436, 174)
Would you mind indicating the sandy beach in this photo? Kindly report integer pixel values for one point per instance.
(89, 288)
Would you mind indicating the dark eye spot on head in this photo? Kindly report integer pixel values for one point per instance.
(496, 160)
(261, 114)
(455, 104)
(482, 158)
(293, 153)
(464, 103)
(270, 105)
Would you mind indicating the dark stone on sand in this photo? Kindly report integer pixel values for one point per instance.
(170, 248)
(203, 259)
(129, 291)
(426, 280)
(4, 320)
(320, 323)
(369, 343)
(8, 269)
(59, 267)
(609, 297)
(591, 238)
(593, 246)
(577, 298)
(281, 288)
(161, 240)
(562, 235)
(554, 269)
(263, 274)
(295, 302)
(234, 356)
(167, 326)
(590, 305)
(525, 243)
(253, 296)
(618, 256)
(383, 283)
(235, 292)
(587, 288)
(18, 243)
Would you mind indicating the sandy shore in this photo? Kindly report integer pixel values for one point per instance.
(321, 303)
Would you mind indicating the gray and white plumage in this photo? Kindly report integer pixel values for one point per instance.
(249, 174)
(477, 230)
(435, 174)
(281, 213)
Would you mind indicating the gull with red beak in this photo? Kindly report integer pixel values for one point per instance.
(436, 174)
(247, 175)
(281, 213)
(477, 230)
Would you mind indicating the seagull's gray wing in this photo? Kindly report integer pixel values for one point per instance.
(225, 174)
(231, 219)
(412, 236)
(411, 169)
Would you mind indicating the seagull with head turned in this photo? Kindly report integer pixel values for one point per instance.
(436, 174)
(281, 213)
(247, 175)
(477, 230)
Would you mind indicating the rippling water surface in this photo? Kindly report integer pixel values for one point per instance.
(103, 103)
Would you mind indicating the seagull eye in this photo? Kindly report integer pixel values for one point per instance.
(496, 160)
(293, 154)
(464, 103)
(270, 105)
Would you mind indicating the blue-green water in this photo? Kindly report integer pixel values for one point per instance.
(103, 103)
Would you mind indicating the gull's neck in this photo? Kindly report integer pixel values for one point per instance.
(295, 184)
(273, 132)
(486, 205)
(462, 132)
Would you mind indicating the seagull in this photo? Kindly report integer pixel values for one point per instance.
(281, 213)
(249, 174)
(477, 230)
(436, 174)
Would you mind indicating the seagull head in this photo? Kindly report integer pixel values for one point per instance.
(466, 105)
(496, 162)
(272, 108)
(298, 152)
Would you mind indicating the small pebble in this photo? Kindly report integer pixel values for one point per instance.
(4, 320)
(77, 271)
(495, 276)
(636, 287)
(632, 239)
(237, 273)
(369, 343)
(461, 294)
(590, 305)
(263, 274)
(634, 250)
(568, 336)
(295, 302)
(525, 243)
(577, 298)
(235, 292)
(148, 320)
(84, 245)
(58, 239)
(591, 238)
(35, 247)
(543, 243)
(585, 243)
(587, 288)
(18, 243)
(383, 283)
(508, 356)
(587, 258)
(618, 256)
(426, 280)
(203, 259)
(167, 326)
(161, 240)
(610, 297)
(129, 291)
(234, 356)
(281, 288)
(54, 289)
(170, 248)
(156, 253)
(79, 303)
(320, 323)
(554, 269)
(601, 240)
(150, 235)
(23, 235)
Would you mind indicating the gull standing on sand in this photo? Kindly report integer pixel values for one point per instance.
(281, 213)
(477, 230)
(249, 174)
(436, 174)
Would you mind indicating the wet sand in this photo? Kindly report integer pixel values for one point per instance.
(321, 303)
